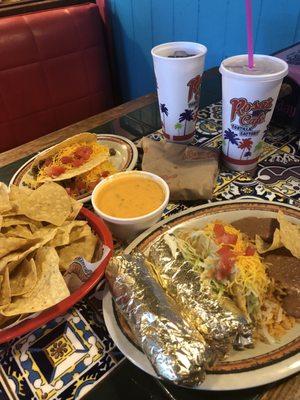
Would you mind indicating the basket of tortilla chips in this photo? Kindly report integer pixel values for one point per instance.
(52, 253)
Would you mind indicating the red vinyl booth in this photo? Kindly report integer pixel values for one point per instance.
(54, 71)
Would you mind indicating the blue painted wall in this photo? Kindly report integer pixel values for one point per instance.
(138, 25)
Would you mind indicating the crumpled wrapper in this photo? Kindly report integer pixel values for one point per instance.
(177, 352)
(218, 320)
(190, 171)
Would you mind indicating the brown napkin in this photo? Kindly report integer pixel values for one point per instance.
(189, 171)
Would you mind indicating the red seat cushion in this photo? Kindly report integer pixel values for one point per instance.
(53, 72)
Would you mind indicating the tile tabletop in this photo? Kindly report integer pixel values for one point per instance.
(71, 355)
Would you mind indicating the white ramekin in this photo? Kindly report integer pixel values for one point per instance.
(126, 228)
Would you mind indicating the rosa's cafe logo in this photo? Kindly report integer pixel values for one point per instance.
(252, 114)
(194, 85)
(194, 88)
(182, 125)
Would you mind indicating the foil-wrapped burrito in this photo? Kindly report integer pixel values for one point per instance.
(176, 351)
(218, 320)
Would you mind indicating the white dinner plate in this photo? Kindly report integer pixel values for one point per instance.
(124, 160)
(263, 364)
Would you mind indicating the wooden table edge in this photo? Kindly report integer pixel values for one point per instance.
(45, 141)
(287, 390)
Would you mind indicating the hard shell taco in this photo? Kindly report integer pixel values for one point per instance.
(70, 158)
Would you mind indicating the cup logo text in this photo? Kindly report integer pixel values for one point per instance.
(194, 88)
(250, 113)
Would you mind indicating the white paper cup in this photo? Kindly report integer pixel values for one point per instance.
(178, 87)
(248, 101)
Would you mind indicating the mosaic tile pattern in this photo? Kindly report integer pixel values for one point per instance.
(70, 355)
(64, 358)
(293, 146)
(244, 185)
(281, 172)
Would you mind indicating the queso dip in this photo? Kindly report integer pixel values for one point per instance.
(129, 196)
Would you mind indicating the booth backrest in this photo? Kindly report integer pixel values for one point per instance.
(54, 71)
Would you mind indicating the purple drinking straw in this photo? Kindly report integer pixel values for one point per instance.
(249, 33)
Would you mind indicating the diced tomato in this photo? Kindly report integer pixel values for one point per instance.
(229, 238)
(77, 162)
(224, 268)
(219, 275)
(226, 238)
(80, 185)
(219, 230)
(250, 251)
(48, 161)
(222, 236)
(225, 251)
(105, 174)
(55, 170)
(83, 152)
(227, 259)
(66, 160)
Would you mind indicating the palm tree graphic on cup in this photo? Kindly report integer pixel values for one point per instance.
(232, 138)
(178, 126)
(164, 111)
(187, 115)
(258, 147)
(245, 144)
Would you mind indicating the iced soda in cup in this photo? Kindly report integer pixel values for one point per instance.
(248, 101)
(178, 68)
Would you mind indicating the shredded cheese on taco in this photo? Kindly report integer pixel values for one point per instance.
(251, 276)
(95, 173)
(60, 158)
(88, 180)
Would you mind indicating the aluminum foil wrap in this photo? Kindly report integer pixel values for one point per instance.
(218, 320)
(176, 351)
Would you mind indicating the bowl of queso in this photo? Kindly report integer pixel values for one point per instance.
(130, 202)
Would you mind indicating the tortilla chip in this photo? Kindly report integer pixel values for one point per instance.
(289, 234)
(49, 290)
(240, 300)
(12, 220)
(4, 198)
(17, 195)
(263, 247)
(64, 232)
(20, 231)
(14, 258)
(5, 292)
(24, 278)
(10, 213)
(9, 244)
(84, 247)
(49, 203)
(75, 208)
(79, 232)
